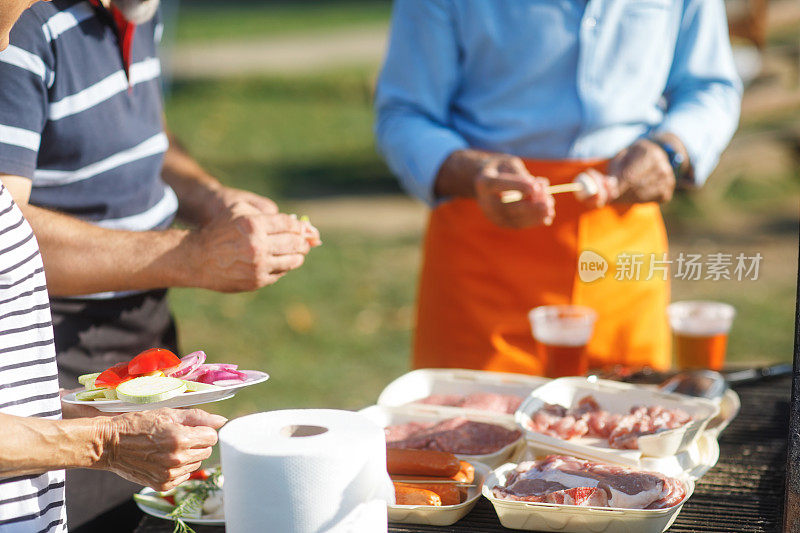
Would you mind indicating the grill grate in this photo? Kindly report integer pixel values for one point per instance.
(743, 492)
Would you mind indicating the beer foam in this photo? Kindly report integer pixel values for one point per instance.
(563, 335)
(701, 319)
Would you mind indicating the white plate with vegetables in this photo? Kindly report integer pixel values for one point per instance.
(196, 501)
(156, 378)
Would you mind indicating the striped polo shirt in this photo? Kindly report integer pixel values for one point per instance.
(28, 383)
(81, 115)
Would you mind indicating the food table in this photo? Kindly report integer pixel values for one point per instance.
(743, 492)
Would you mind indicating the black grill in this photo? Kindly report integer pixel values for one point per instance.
(743, 492)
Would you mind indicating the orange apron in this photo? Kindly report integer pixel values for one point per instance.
(479, 281)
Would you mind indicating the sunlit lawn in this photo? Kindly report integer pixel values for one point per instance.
(334, 333)
(204, 20)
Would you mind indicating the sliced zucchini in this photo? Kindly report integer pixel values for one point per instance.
(88, 395)
(154, 502)
(111, 394)
(87, 380)
(150, 389)
(196, 386)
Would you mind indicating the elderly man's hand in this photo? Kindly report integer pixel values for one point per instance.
(487, 176)
(158, 448)
(644, 173)
(244, 249)
(228, 197)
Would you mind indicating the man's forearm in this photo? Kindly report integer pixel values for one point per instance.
(34, 445)
(194, 186)
(81, 258)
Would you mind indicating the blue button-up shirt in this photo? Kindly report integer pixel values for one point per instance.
(553, 79)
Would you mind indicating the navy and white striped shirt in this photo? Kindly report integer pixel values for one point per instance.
(82, 122)
(28, 383)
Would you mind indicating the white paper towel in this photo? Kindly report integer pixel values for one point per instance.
(332, 482)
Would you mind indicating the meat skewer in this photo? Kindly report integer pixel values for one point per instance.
(584, 186)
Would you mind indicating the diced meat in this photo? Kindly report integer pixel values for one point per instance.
(570, 481)
(483, 401)
(454, 435)
(588, 419)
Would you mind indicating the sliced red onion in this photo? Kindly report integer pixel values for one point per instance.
(221, 366)
(188, 364)
(219, 375)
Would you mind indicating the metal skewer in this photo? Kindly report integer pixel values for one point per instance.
(509, 197)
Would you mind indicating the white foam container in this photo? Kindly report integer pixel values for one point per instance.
(390, 416)
(532, 516)
(418, 384)
(692, 463)
(617, 397)
(446, 515)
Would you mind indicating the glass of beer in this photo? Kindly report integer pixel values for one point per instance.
(562, 333)
(701, 333)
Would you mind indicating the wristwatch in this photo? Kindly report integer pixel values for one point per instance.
(676, 159)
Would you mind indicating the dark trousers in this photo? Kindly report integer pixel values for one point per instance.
(90, 336)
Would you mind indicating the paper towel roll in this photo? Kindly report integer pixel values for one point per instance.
(305, 471)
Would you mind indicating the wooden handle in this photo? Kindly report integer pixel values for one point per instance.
(509, 197)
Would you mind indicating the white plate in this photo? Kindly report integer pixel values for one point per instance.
(147, 491)
(446, 515)
(182, 400)
(409, 388)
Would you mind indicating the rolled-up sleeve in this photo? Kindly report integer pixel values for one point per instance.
(703, 90)
(414, 94)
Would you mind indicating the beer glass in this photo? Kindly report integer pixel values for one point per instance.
(701, 333)
(562, 333)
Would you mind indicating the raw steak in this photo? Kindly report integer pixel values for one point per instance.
(484, 401)
(571, 481)
(454, 435)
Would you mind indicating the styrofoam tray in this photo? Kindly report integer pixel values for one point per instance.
(575, 519)
(445, 515)
(617, 397)
(729, 406)
(390, 416)
(419, 384)
(692, 462)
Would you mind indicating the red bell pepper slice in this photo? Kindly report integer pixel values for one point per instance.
(112, 377)
(201, 474)
(152, 360)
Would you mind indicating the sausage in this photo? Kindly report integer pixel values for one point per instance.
(466, 473)
(421, 462)
(449, 494)
(405, 495)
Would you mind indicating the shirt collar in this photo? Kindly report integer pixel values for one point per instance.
(125, 31)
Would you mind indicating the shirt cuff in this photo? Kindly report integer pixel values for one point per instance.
(423, 165)
(17, 167)
(697, 139)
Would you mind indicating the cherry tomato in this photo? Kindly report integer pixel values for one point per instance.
(201, 474)
(152, 360)
(112, 377)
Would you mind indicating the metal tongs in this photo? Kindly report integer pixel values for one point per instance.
(699, 383)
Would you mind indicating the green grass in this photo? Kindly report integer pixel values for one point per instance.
(208, 21)
(334, 333)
